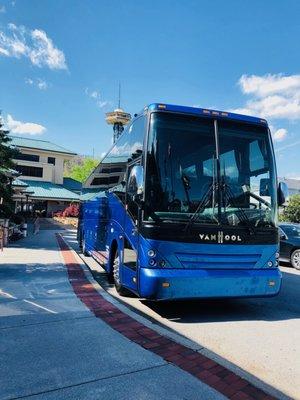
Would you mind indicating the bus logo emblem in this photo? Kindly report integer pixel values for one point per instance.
(219, 237)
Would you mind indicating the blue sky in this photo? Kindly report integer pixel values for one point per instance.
(61, 61)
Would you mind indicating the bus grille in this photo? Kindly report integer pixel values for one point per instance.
(218, 261)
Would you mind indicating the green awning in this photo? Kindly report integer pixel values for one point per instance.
(49, 191)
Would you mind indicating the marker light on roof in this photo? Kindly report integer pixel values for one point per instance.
(215, 113)
(206, 112)
(224, 114)
(162, 106)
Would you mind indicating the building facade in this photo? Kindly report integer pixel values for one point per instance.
(293, 185)
(41, 185)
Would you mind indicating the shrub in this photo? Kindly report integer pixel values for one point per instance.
(71, 211)
(292, 212)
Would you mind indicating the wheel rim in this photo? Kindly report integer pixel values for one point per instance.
(296, 259)
(117, 270)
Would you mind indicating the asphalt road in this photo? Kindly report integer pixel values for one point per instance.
(257, 337)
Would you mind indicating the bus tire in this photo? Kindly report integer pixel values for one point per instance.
(295, 259)
(116, 275)
(84, 250)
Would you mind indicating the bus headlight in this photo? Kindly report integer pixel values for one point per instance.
(152, 262)
(151, 253)
(270, 264)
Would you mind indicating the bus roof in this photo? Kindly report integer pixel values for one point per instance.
(204, 112)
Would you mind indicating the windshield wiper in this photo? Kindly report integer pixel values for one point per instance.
(228, 196)
(186, 186)
(201, 206)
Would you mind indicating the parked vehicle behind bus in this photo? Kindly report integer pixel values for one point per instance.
(289, 234)
(189, 208)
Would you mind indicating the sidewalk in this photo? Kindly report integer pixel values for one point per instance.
(53, 347)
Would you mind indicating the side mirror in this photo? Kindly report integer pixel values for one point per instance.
(264, 187)
(136, 181)
(283, 194)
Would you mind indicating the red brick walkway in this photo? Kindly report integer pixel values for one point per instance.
(208, 371)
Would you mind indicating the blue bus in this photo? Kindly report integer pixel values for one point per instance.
(188, 206)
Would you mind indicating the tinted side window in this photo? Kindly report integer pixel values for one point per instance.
(127, 148)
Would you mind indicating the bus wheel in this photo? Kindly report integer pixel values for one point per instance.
(116, 274)
(84, 250)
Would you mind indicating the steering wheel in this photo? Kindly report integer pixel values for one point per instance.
(175, 205)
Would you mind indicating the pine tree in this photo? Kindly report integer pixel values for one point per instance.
(6, 163)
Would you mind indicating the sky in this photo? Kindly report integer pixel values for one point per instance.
(61, 62)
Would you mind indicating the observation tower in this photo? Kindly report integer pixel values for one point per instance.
(118, 118)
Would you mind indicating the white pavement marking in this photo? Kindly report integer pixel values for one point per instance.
(2, 293)
(39, 306)
(10, 296)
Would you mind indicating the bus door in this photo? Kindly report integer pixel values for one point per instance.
(101, 210)
(130, 237)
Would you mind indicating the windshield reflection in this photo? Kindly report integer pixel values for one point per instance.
(186, 181)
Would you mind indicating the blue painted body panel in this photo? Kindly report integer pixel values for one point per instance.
(193, 270)
(204, 112)
(204, 283)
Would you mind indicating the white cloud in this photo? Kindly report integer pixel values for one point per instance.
(39, 83)
(28, 128)
(287, 146)
(273, 96)
(4, 52)
(33, 44)
(42, 85)
(280, 134)
(95, 95)
(266, 85)
(45, 53)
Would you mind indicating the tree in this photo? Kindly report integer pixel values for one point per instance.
(292, 212)
(80, 168)
(6, 163)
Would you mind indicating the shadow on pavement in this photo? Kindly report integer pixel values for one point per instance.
(285, 306)
(282, 307)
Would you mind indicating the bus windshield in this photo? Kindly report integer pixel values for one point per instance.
(206, 171)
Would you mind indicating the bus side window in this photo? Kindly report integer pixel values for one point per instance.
(126, 149)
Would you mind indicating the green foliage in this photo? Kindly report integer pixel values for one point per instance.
(80, 168)
(6, 155)
(292, 212)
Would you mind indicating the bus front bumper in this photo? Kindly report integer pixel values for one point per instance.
(171, 284)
